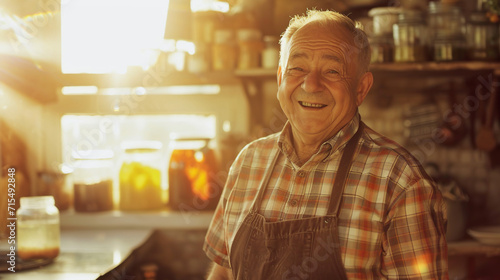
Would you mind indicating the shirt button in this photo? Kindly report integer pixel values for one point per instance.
(328, 220)
(301, 174)
(293, 202)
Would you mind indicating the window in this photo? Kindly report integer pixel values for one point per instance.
(107, 36)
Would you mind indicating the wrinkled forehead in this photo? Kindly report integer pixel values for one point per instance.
(333, 38)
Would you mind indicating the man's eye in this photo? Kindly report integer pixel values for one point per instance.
(331, 71)
(296, 69)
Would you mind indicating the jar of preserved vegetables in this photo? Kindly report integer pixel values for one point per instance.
(250, 48)
(224, 50)
(482, 38)
(38, 231)
(449, 48)
(93, 180)
(445, 20)
(410, 33)
(141, 176)
(192, 175)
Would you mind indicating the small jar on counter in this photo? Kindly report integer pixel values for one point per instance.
(38, 231)
(410, 33)
(93, 180)
(141, 176)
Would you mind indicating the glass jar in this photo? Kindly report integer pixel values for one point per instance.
(224, 50)
(410, 33)
(58, 185)
(250, 48)
(141, 176)
(38, 231)
(482, 38)
(383, 20)
(382, 49)
(449, 48)
(445, 21)
(199, 61)
(93, 181)
(192, 175)
(271, 53)
(204, 25)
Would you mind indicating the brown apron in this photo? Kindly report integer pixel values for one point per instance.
(293, 249)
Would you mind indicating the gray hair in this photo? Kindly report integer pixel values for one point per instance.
(331, 19)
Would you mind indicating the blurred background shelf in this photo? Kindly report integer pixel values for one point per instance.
(135, 220)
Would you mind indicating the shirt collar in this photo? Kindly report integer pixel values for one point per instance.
(331, 145)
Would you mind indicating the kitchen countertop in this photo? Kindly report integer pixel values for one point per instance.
(94, 243)
(85, 254)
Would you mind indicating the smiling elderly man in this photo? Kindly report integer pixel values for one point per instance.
(327, 197)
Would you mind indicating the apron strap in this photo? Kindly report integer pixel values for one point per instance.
(343, 171)
(263, 183)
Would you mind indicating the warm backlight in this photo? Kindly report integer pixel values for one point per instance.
(108, 36)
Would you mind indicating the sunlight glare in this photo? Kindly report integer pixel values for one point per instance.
(107, 36)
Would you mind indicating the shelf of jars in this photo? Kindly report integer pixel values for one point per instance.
(152, 79)
(435, 68)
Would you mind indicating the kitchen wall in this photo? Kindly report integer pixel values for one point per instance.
(22, 131)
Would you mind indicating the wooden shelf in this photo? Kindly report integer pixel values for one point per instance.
(28, 78)
(148, 79)
(260, 73)
(435, 69)
(437, 66)
(159, 78)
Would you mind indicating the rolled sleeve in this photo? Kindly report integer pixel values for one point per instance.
(215, 242)
(415, 237)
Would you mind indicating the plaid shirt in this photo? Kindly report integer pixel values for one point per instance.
(391, 219)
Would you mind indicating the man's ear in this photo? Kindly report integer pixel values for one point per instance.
(279, 75)
(364, 86)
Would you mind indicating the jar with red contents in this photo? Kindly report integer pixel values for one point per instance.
(192, 175)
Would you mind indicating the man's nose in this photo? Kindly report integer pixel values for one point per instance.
(312, 82)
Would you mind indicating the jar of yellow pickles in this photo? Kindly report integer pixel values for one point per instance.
(140, 176)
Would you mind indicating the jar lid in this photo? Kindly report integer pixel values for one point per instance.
(92, 154)
(478, 17)
(444, 35)
(37, 201)
(384, 11)
(411, 16)
(271, 39)
(381, 40)
(443, 8)
(223, 36)
(142, 146)
(249, 34)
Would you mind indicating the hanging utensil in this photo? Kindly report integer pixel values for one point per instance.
(485, 139)
(453, 128)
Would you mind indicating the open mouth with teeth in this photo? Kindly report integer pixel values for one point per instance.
(311, 105)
